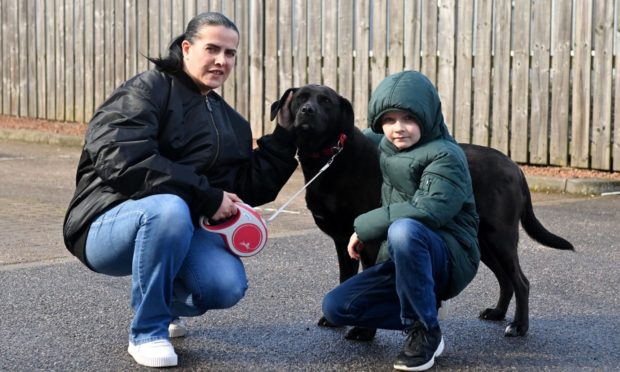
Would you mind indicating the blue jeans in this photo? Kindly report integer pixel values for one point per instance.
(396, 293)
(177, 269)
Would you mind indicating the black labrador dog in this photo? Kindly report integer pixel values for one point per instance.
(350, 186)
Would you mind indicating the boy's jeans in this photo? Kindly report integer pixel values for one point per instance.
(396, 293)
(177, 269)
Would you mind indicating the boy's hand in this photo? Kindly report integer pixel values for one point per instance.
(355, 246)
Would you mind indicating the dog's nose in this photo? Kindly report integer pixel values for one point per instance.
(307, 109)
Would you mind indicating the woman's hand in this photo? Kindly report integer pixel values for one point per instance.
(285, 119)
(228, 208)
(355, 247)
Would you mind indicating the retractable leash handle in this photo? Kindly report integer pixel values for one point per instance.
(245, 234)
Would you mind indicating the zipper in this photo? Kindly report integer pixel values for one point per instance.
(217, 133)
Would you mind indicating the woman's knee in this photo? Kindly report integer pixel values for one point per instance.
(172, 212)
(223, 292)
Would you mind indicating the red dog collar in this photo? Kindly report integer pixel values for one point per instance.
(330, 151)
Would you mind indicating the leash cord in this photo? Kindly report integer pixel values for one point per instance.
(329, 162)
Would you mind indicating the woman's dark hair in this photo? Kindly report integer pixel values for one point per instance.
(174, 61)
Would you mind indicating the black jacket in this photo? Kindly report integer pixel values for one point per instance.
(156, 134)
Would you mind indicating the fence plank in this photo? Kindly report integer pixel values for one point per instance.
(132, 36)
(108, 51)
(616, 135)
(330, 45)
(50, 50)
(379, 50)
(463, 78)
(286, 46)
(165, 27)
(520, 85)
(119, 45)
(300, 62)
(345, 49)
(539, 120)
(412, 30)
(69, 64)
(601, 85)
(99, 53)
(314, 42)
(154, 32)
(445, 60)
(482, 77)
(429, 37)
(142, 33)
(13, 13)
(256, 72)
(501, 78)
(230, 86)
(243, 61)
(271, 61)
(22, 59)
(31, 92)
(89, 60)
(60, 60)
(560, 67)
(580, 134)
(3, 54)
(362, 77)
(395, 37)
(79, 61)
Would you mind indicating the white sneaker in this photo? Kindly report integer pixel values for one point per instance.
(158, 353)
(178, 328)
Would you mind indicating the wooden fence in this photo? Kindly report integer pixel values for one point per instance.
(534, 79)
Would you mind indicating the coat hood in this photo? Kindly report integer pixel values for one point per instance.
(409, 91)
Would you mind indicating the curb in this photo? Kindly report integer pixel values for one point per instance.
(34, 136)
(579, 186)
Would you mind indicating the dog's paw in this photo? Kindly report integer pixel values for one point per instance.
(326, 323)
(516, 329)
(492, 314)
(361, 334)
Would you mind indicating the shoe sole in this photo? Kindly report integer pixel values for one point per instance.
(425, 366)
(174, 332)
(156, 362)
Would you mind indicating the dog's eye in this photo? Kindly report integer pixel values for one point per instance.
(325, 100)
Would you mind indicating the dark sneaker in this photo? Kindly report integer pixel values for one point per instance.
(421, 348)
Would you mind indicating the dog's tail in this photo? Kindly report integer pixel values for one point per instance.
(534, 228)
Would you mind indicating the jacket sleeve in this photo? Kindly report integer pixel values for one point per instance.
(122, 141)
(272, 163)
(438, 199)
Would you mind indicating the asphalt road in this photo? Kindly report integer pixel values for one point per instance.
(55, 315)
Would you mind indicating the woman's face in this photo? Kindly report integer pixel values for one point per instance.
(211, 57)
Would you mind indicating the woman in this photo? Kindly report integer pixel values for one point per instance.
(161, 151)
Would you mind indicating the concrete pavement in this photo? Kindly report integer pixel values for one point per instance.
(56, 315)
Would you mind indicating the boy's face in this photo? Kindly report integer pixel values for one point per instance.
(400, 128)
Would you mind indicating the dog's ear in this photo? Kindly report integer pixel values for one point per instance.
(277, 105)
(347, 114)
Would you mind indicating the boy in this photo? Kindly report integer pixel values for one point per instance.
(427, 220)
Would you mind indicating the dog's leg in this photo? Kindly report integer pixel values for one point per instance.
(520, 325)
(489, 258)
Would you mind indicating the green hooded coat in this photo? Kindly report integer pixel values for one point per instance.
(429, 182)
